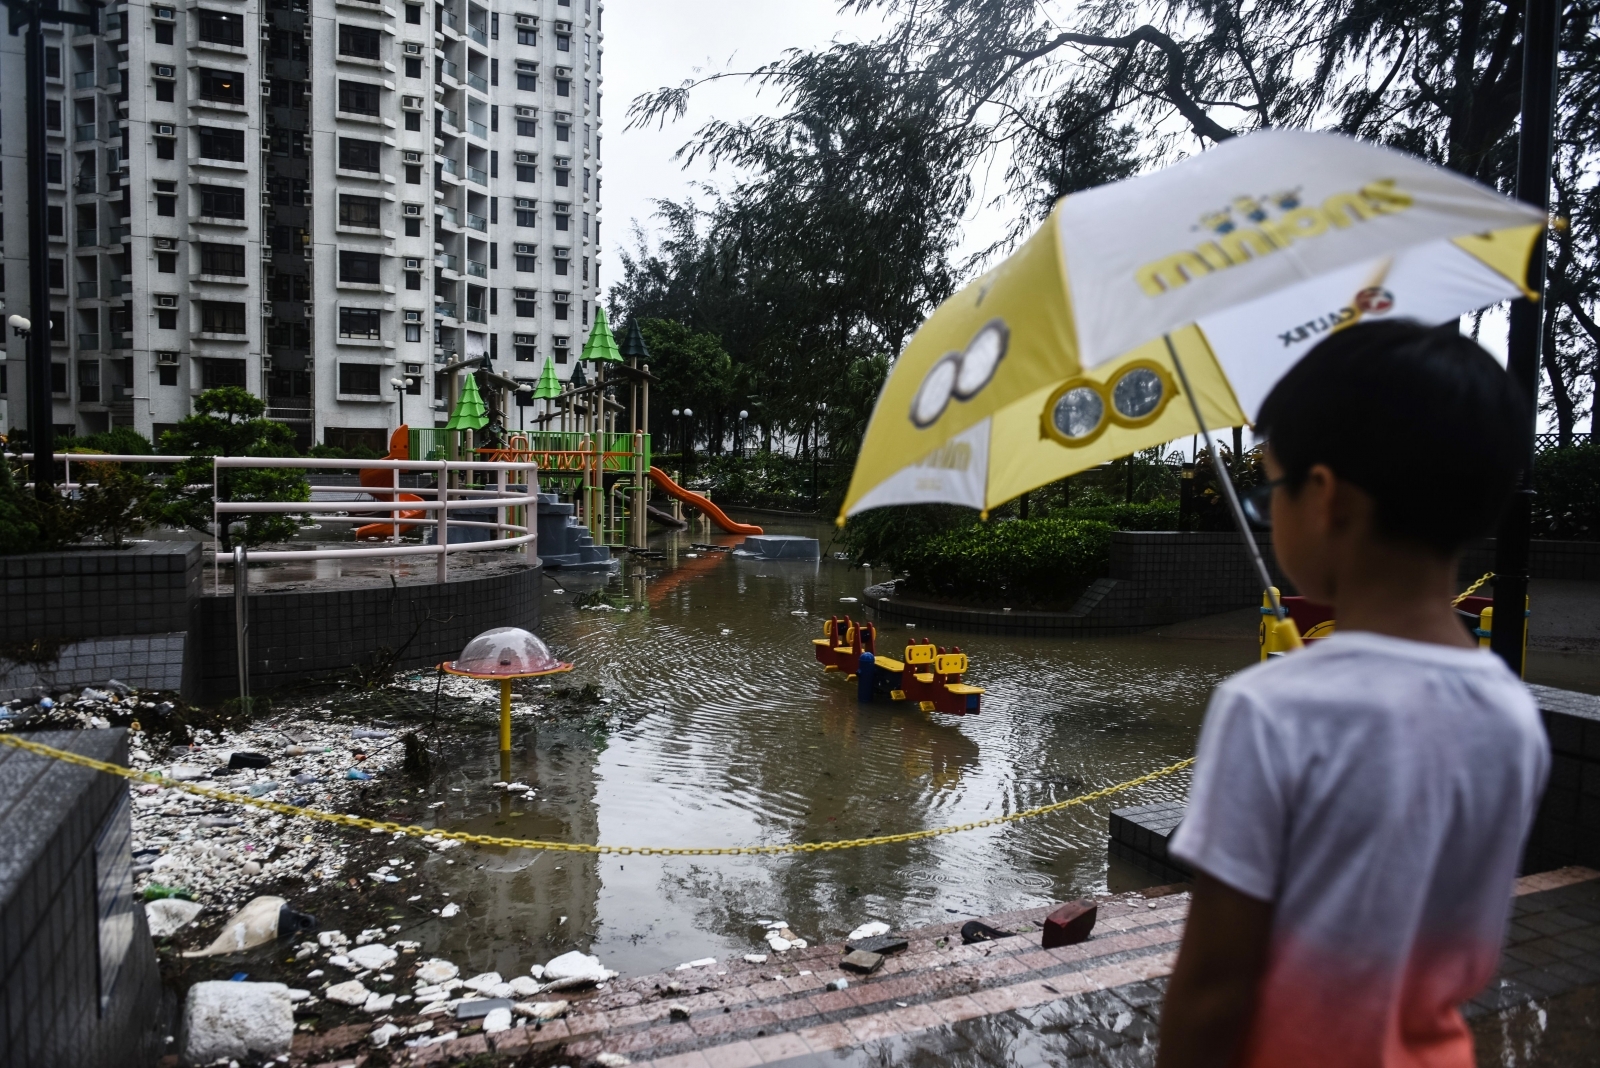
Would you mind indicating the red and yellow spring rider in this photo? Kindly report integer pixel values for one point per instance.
(929, 676)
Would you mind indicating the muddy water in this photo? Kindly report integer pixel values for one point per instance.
(721, 730)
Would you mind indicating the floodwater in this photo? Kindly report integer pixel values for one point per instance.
(721, 730)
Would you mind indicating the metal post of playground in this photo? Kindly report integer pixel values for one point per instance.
(241, 622)
(442, 529)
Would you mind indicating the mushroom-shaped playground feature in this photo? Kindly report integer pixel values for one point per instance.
(505, 653)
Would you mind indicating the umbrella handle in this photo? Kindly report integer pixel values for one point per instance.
(1227, 483)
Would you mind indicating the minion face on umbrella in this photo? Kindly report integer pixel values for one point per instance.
(1211, 277)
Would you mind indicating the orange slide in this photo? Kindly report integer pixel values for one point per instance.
(379, 482)
(659, 477)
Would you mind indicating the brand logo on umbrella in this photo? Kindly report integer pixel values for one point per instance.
(1238, 243)
(1373, 300)
(961, 374)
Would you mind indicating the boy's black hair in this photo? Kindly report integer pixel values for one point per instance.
(1421, 418)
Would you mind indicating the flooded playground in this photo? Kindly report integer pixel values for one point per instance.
(714, 726)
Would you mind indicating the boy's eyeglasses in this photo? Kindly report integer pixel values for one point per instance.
(1257, 502)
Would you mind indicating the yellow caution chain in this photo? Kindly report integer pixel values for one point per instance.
(1472, 589)
(156, 779)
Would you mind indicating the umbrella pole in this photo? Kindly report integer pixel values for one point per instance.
(1227, 484)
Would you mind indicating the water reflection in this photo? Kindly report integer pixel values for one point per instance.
(722, 730)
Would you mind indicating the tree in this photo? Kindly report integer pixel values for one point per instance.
(694, 369)
(228, 422)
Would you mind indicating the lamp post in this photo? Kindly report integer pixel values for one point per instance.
(816, 428)
(522, 406)
(738, 437)
(400, 385)
(685, 428)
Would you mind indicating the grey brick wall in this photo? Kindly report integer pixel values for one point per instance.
(1568, 828)
(302, 634)
(146, 662)
(1546, 560)
(143, 589)
(66, 894)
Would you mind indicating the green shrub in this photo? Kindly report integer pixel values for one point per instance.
(1567, 505)
(1026, 562)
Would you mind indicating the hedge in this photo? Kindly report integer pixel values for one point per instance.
(1044, 562)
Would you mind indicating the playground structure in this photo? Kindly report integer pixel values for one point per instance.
(581, 452)
(1316, 621)
(929, 676)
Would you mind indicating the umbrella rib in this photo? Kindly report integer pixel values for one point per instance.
(1227, 483)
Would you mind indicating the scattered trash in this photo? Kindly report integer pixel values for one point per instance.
(1070, 924)
(848, 600)
(357, 774)
(360, 732)
(449, 910)
(755, 958)
(880, 944)
(477, 1010)
(254, 925)
(498, 1019)
(541, 1011)
(348, 993)
(678, 1013)
(375, 956)
(703, 962)
(227, 1020)
(437, 971)
(168, 915)
(249, 760)
(575, 969)
(867, 930)
(839, 984)
(859, 960)
(383, 1033)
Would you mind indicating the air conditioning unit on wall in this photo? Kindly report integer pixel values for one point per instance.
(166, 301)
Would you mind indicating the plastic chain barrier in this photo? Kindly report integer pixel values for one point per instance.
(155, 778)
(1472, 589)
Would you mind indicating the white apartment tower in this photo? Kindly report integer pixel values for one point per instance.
(310, 199)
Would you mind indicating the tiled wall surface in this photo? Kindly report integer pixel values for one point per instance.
(1568, 828)
(145, 662)
(306, 633)
(1546, 559)
(143, 589)
(54, 913)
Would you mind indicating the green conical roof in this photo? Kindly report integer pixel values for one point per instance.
(549, 386)
(470, 414)
(578, 379)
(633, 347)
(601, 346)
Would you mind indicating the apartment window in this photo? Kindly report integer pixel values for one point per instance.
(563, 42)
(413, 174)
(494, 256)
(360, 211)
(166, 318)
(359, 41)
(414, 121)
(359, 323)
(363, 267)
(166, 148)
(359, 378)
(54, 220)
(526, 261)
(586, 90)
(527, 35)
(222, 259)
(220, 27)
(215, 373)
(527, 76)
(413, 279)
(358, 97)
(164, 94)
(224, 85)
(414, 14)
(167, 262)
(413, 227)
(526, 353)
(52, 115)
(413, 66)
(219, 142)
(563, 131)
(561, 310)
(526, 214)
(527, 172)
(166, 206)
(561, 264)
(563, 222)
(57, 270)
(221, 202)
(356, 154)
(289, 287)
(494, 70)
(164, 33)
(586, 269)
(167, 374)
(563, 87)
(414, 332)
(527, 128)
(563, 177)
(221, 317)
(52, 168)
(494, 164)
(586, 179)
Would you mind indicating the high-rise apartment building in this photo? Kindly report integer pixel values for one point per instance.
(309, 199)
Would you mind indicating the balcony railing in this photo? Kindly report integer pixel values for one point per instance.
(116, 233)
(88, 342)
(83, 132)
(121, 394)
(89, 289)
(477, 174)
(450, 215)
(446, 308)
(477, 129)
(449, 166)
(448, 261)
(478, 269)
(85, 183)
(113, 130)
(450, 69)
(476, 315)
(84, 79)
(121, 287)
(449, 118)
(477, 222)
(478, 36)
(478, 82)
(449, 19)
(88, 393)
(122, 341)
(88, 238)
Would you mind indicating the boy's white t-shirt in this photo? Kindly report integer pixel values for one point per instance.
(1378, 792)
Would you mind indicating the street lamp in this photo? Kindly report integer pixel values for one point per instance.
(686, 422)
(738, 443)
(400, 385)
(816, 429)
(522, 406)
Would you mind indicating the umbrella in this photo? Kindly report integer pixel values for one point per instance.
(469, 414)
(601, 346)
(1208, 279)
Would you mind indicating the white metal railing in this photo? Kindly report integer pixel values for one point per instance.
(513, 525)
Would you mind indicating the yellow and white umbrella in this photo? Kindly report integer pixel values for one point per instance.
(1211, 277)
